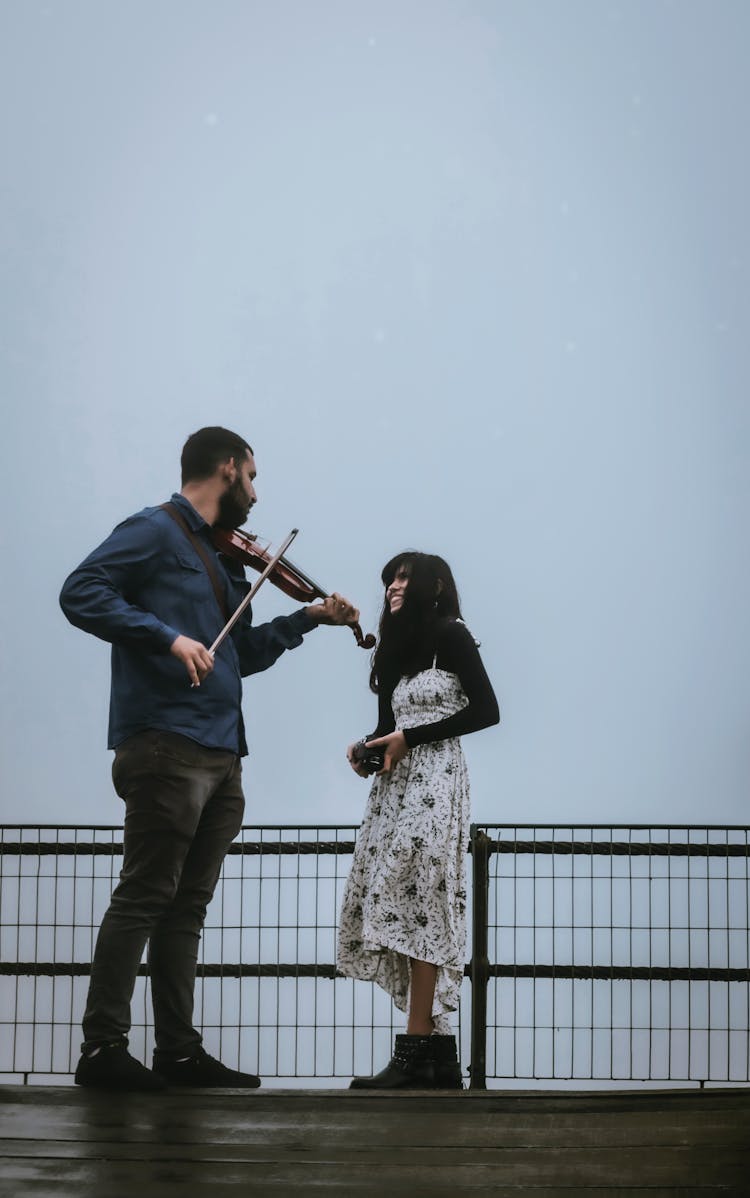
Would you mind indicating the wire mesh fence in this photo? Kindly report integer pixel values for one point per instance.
(617, 953)
(598, 954)
(267, 996)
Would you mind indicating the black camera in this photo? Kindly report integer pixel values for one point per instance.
(371, 760)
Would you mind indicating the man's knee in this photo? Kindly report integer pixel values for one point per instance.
(144, 894)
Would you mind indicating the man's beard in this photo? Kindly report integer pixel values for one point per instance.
(234, 507)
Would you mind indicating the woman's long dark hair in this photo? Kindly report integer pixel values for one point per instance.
(406, 639)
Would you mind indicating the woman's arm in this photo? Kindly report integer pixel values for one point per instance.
(458, 654)
(386, 722)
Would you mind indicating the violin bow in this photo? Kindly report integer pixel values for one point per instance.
(252, 592)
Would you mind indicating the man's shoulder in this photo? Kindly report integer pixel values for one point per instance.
(152, 520)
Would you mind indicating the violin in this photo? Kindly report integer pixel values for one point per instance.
(244, 547)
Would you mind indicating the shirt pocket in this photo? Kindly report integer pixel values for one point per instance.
(192, 578)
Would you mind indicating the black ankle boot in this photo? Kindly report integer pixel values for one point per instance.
(445, 1063)
(410, 1067)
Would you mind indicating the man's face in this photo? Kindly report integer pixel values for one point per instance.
(239, 496)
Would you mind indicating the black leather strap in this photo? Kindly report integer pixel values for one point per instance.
(203, 554)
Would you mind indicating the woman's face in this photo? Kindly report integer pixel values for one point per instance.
(394, 593)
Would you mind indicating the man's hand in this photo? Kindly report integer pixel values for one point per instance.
(395, 747)
(194, 656)
(333, 610)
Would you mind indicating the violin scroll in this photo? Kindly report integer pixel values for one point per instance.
(366, 641)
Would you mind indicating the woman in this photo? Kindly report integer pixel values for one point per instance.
(403, 917)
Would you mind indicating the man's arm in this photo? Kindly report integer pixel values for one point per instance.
(259, 646)
(95, 596)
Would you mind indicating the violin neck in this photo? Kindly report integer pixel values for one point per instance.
(305, 579)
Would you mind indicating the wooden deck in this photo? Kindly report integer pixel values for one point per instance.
(63, 1141)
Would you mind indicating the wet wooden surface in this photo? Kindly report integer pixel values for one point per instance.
(64, 1141)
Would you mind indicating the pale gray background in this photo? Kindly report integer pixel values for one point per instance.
(471, 277)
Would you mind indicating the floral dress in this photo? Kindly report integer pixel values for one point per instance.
(406, 892)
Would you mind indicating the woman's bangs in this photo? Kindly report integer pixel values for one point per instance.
(404, 561)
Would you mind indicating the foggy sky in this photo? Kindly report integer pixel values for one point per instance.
(472, 277)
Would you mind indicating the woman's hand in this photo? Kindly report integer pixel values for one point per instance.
(395, 747)
(356, 765)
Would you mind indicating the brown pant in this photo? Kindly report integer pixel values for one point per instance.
(183, 808)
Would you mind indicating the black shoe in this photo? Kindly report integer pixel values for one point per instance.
(410, 1068)
(202, 1070)
(113, 1068)
(446, 1063)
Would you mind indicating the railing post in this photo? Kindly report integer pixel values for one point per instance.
(480, 965)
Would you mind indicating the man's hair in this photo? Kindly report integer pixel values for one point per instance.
(205, 450)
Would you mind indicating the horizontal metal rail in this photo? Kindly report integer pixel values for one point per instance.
(258, 848)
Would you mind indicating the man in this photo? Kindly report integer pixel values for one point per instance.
(159, 592)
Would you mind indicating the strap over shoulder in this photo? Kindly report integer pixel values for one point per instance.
(219, 591)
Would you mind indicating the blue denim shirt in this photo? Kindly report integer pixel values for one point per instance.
(144, 586)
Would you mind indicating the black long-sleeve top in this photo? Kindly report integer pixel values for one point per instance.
(456, 653)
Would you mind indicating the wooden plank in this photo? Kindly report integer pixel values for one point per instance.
(233, 1126)
(490, 1102)
(206, 1187)
(114, 1176)
(64, 1141)
(684, 1164)
(202, 1117)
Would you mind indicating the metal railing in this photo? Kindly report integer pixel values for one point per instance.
(611, 953)
(598, 954)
